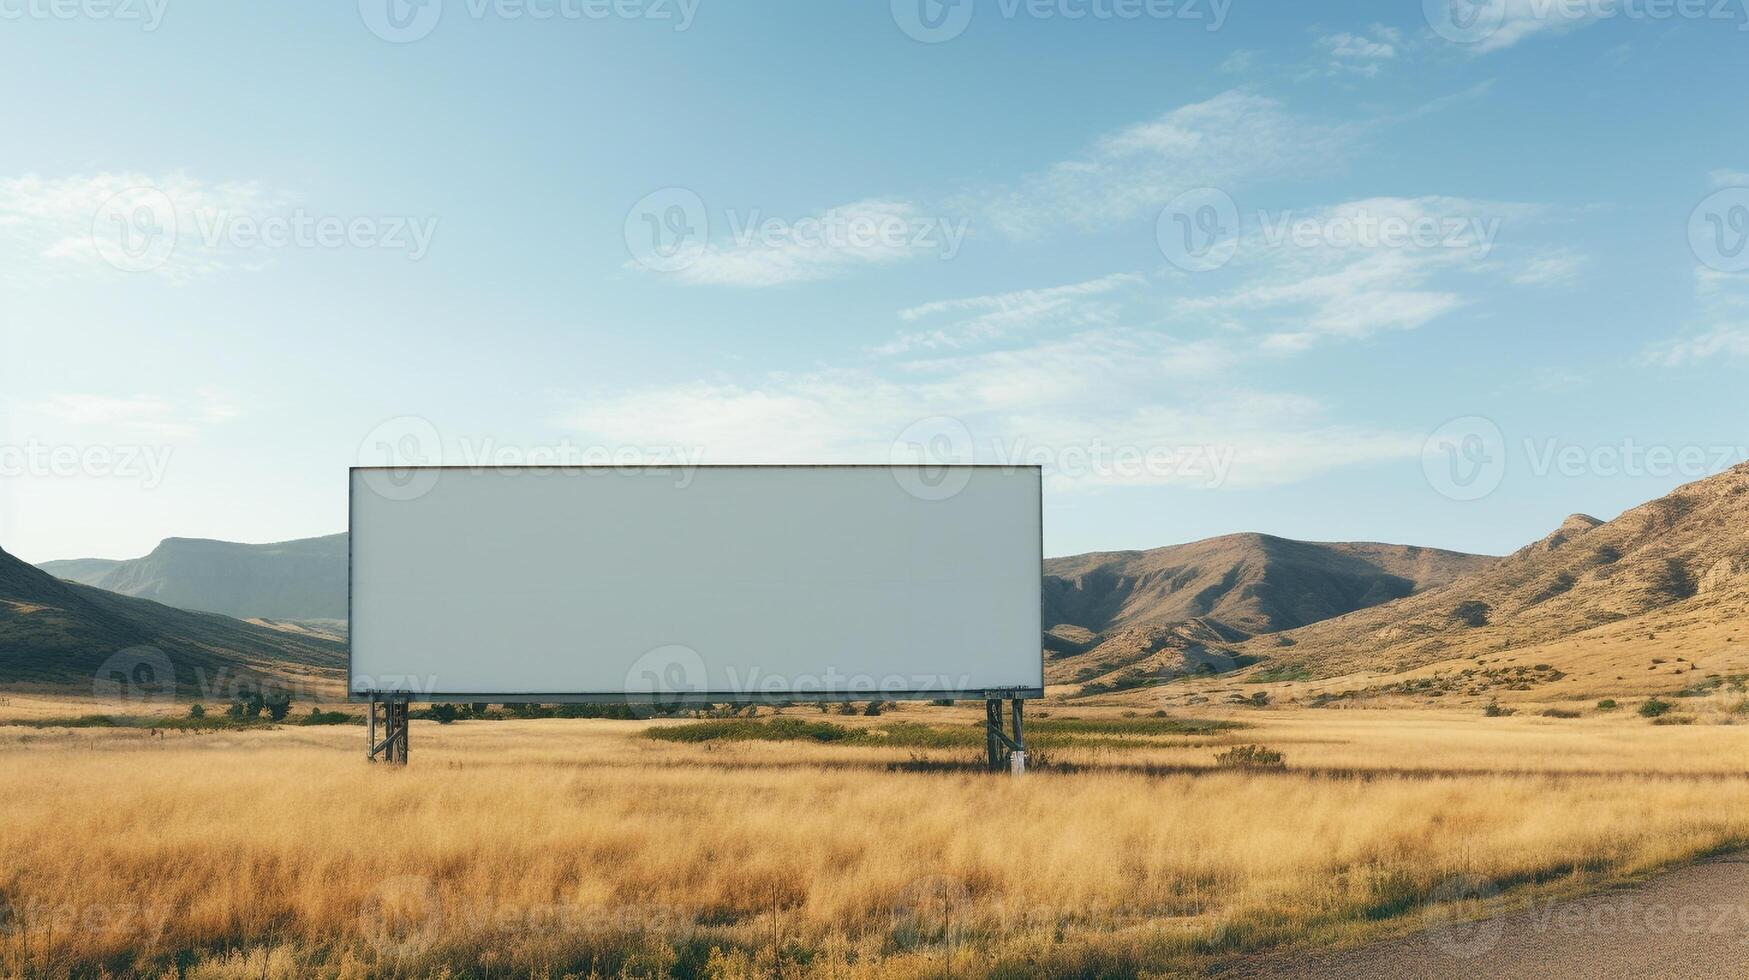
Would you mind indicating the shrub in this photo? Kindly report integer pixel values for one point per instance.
(1607, 704)
(1250, 757)
(197, 710)
(319, 717)
(278, 705)
(246, 703)
(874, 708)
(1653, 708)
(1471, 613)
(1494, 710)
(443, 714)
(847, 708)
(1560, 713)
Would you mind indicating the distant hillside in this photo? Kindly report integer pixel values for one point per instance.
(58, 634)
(1673, 560)
(1250, 582)
(1133, 619)
(291, 580)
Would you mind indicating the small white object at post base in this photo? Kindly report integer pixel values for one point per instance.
(1017, 763)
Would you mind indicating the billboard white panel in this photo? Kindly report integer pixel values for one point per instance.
(707, 583)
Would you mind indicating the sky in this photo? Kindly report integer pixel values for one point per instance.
(1398, 272)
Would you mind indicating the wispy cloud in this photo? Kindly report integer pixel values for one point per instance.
(1065, 402)
(1558, 267)
(1730, 340)
(980, 318)
(1364, 53)
(138, 414)
(1232, 138)
(1358, 268)
(62, 228)
(1494, 25)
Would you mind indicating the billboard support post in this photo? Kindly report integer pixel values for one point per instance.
(1002, 750)
(389, 715)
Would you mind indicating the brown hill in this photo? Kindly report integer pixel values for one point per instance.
(1669, 561)
(58, 634)
(1254, 583)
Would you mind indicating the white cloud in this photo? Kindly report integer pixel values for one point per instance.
(1555, 268)
(1731, 341)
(1493, 25)
(1722, 324)
(1077, 305)
(1066, 403)
(139, 414)
(1229, 139)
(1361, 54)
(1240, 61)
(57, 229)
(1358, 268)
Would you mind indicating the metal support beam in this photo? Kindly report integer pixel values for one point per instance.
(1001, 750)
(389, 717)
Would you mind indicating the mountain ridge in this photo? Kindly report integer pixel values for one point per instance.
(297, 580)
(1584, 574)
(57, 633)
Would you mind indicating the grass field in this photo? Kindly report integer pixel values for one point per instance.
(587, 848)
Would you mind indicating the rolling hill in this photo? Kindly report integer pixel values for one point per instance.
(1255, 583)
(1137, 618)
(60, 635)
(302, 580)
(1680, 553)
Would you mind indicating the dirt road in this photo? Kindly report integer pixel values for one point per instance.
(1693, 922)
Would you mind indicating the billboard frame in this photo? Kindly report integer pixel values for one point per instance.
(693, 698)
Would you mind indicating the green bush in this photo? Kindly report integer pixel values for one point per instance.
(1494, 710)
(1250, 757)
(1607, 704)
(443, 714)
(278, 705)
(246, 703)
(319, 717)
(197, 710)
(1653, 708)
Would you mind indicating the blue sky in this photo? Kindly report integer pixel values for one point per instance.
(1444, 285)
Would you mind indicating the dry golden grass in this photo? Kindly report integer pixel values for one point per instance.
(579, 847)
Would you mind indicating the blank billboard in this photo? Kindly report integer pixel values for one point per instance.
(701, 583)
